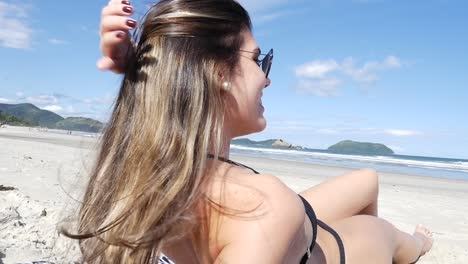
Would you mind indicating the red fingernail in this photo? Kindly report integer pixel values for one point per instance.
(127, 9)
(126, 2)
(131, 23)
(120, 35)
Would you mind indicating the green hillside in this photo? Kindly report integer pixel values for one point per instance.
(80, 124)
(248, 142)
(32, 113)
(6, 119)
(353, 147)
(267, 142)
(243, 141)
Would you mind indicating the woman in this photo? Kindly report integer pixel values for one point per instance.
(163, 184)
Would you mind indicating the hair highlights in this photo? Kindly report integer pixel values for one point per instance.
(147, 187)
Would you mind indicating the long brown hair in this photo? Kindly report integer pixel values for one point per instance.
(150, 175)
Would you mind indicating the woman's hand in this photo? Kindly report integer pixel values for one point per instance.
(115, 36)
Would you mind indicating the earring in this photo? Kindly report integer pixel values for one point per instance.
(227, 86)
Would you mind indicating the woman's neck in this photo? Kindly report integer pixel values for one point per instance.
(225, 148)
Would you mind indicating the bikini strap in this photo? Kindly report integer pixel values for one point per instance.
(337, 238)
(313, 219)
(211, 156)
(308, 209)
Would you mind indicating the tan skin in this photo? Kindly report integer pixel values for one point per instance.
(278, 230)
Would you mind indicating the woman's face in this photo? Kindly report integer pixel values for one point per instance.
(244, 100)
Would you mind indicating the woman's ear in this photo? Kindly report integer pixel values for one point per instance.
(224, 83)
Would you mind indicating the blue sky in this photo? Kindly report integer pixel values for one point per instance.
(392, 72)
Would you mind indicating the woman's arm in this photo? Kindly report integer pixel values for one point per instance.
(353, 193)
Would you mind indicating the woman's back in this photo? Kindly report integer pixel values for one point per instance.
(254, 206)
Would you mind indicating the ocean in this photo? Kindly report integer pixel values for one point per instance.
(402, 164)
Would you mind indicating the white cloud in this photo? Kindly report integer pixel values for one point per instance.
(14, 32)
(364, 75)
(66, 111)
(20, 95)
(53, 108)
(57, 42)
(367, 74)
(70, 110)
(106, 100)
(42, 100)
(320, 76)
(320, 87)
(5, 101)
(316, 69)
(392, 62)
(401, 132)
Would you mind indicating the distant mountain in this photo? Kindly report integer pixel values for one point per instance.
(244, 141)
(80, 124)
(353, 147)
(6, 119)
(272, 143)
(34, 116)
(342, 147)
(32, 113)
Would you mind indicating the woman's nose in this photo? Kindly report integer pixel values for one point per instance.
(267, 82)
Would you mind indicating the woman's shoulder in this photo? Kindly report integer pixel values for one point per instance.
(240, 188)
(256, 207)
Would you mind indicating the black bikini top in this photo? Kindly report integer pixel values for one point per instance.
(308, 209)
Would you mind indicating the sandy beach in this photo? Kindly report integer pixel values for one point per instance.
(48, 170)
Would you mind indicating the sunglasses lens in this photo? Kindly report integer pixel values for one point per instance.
(266, 62)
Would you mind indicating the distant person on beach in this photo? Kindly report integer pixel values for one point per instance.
(164, 190)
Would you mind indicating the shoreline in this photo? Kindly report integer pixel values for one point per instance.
(335, 168)
(49, 170)
(423, 170)
(61, 137)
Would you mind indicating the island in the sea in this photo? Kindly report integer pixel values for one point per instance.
(272, 143)
(342, 147)
(354, 147)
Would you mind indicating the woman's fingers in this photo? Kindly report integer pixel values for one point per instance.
(114, 30)
(112, 23)
(112, 43)
(116, 17)
(105, 64)
(108, 64)
(117, 9)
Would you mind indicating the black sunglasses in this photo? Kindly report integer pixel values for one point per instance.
(264, 63)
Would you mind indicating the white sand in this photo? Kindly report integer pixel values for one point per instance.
(45, 167)
(49, 170)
